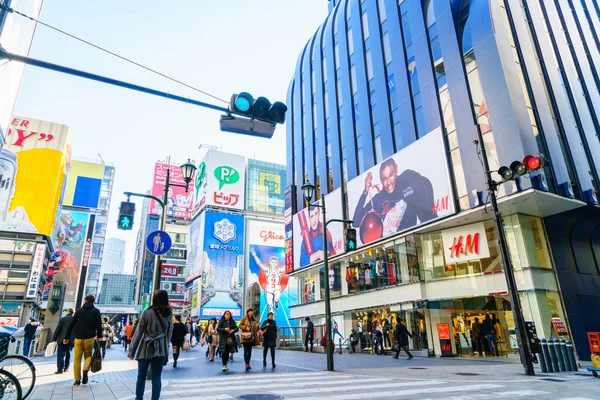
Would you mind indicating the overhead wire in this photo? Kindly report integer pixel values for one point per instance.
(11, 10)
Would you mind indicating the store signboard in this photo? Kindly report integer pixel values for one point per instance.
(220, 181)
(180, 203)
(559, 327)
(308, 229)
(265, 243)
(9, 321)
(168, 270)
(445, 339)
(465, 243)
(403, 191)
(36, 270)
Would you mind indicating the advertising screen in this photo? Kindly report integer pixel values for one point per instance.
(266, 271)
(308, 232)
(196, 253)
(179, 203)
(220, 181)
(69, 246)
(402, 192)
(223, 267)
(32, 168)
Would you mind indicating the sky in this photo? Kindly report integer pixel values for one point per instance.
(221, 47)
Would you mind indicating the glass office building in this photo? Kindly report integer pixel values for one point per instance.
(375, 82)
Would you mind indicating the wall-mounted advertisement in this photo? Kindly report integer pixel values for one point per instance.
(266, 271)
(223, 268)
(265, 187)
(403, 191)
(289, 231)
(220, 181)
(196, 253)
(36, 271)
(69, 246)
(179, 203)
(308, 231)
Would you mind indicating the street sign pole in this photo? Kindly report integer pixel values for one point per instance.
(163, 224)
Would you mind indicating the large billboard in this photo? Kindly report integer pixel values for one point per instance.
(220, 181)
(70, 246)
(265, 243)
(403, 191)
(180, 203)
(223, 266)
(84, 183)
(308, 232)
(196, 253)
(32, 168)
(265, 187)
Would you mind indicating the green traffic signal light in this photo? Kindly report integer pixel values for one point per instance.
(125, 222)
(351, 239)
(126, 213)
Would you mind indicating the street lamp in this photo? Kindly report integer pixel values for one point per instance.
(308, 190)
(187, 170)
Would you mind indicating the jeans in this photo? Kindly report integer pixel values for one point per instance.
(83, 347)
(157, 367)
(26, 346)
(307, 339)
(403, 347)
(335, 331)
(492, 345)
(386, 339)
(63, 356)
(247, 352)
(265, 350)
(378, 345)
(369, 340)
(103, 348)
(353, 347)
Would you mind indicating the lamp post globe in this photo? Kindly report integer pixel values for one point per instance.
(187, 171)
(308, 191)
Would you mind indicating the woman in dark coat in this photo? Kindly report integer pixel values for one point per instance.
(227, 329)
(401, 335)
(269, 330)
(177, 338)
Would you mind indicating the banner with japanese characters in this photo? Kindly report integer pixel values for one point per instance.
(36, 270)
(180, 203)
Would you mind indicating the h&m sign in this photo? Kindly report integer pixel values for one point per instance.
(465, 243)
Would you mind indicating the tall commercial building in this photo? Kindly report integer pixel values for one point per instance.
(117, 290)
(386, 102)
(113, 257)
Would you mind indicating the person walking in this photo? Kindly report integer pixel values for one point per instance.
(227, 329)
(310, 334)
(177, 338)
(63, 351)
(378, 340)
(86, 326)
(269, 329)
(198, 331)
(401, 335)
(105, 338)
(28, 336)
(385, 328)
(249, 327)
(488, 333)
(128, 334)
(150, 343)
(210, 336)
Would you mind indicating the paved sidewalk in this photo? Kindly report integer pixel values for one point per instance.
(301, 375)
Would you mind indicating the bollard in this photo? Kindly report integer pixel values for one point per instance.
(553, 356)
(546, 354)
(542, 357)
(571, 356)
(565, 355)
(559, 356)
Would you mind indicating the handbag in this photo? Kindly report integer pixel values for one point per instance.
(246, 335)
(96, 359)
(396, 347)
(208, 338)
(51, 349)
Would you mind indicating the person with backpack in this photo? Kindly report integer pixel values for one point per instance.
(150, 343)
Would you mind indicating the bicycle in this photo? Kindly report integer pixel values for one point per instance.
(10, 389)
(21, 368)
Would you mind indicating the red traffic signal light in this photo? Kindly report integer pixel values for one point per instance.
(535, 162)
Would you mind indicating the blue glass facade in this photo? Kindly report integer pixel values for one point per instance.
(520, 74)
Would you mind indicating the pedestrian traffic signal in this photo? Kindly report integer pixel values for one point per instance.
(350, 239)
(126, 214)
(261, 108)
(517, 168)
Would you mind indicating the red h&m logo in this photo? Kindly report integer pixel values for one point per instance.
(470, 245)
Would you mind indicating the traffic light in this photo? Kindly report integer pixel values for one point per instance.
(517, 168)
(261, 108)
(350, 239)
(126, 213)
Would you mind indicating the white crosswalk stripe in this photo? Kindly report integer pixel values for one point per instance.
(337, 386)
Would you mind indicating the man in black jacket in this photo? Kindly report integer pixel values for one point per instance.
(401, 335)
(87, 326)
(63, 351)
(310, 334)
(29, 334)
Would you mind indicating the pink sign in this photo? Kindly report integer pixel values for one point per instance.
(180, 204)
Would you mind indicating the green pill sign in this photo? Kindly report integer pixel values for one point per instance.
(226, 176)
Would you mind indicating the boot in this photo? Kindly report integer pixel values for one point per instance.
(264, 362)
(85, 377)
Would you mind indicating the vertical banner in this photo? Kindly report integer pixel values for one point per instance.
(85, 260)
(223, 267)
(36, 270)
(72, 230)
(180, 203)
(289, 249)
(308, 229)
(265, 243)
(196, 253)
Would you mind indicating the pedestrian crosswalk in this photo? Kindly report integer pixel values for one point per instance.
(340, 386)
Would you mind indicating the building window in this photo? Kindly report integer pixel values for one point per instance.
(353, 79)
(350, 42)
(97, 250)
(369, 59)
(381, 9)
(387, 50)
(365, 26)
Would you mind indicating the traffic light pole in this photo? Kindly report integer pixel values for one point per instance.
(509, 273)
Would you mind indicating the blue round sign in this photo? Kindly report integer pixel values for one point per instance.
(158, 242)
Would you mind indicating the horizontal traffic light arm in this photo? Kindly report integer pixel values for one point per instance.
(148, 196)
(347, 221)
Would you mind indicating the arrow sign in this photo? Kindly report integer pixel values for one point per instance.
(158, 242)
